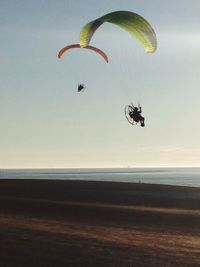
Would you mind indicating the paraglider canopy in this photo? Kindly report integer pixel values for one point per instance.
(95, 49)
(135, 24)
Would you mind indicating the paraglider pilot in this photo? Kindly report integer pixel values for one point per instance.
(135, 114)
(81, 87)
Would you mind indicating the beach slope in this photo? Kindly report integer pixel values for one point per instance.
(79, 223)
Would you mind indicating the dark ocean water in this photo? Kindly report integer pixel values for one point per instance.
(170, 176)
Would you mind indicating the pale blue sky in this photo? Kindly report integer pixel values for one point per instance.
(46, 123)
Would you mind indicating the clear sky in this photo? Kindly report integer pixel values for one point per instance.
(45, 123)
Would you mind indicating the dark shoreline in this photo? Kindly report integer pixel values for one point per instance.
(85, 223)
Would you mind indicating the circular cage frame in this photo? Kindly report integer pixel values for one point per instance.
(127, 110)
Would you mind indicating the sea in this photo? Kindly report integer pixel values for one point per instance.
(169, 176)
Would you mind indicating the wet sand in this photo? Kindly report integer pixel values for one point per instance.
(79, 223)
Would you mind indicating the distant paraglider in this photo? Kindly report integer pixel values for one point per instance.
(95, 49)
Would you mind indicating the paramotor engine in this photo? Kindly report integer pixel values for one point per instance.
(128, 110)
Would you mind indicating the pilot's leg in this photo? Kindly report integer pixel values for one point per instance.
(142, 122)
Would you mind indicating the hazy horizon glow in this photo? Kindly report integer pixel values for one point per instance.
(45, 123)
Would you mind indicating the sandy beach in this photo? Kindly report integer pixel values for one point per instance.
(79, 223)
